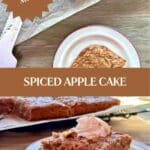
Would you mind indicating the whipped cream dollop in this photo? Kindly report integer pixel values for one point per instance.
(91, 127)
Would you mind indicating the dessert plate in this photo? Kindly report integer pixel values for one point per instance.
(134, 146)
(95, 35)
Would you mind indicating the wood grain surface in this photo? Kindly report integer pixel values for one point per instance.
(131, 17)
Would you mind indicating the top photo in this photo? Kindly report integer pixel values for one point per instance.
(77, 34)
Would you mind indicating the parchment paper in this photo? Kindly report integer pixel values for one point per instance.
(58, 11)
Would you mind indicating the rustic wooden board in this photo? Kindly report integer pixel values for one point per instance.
(130, 17)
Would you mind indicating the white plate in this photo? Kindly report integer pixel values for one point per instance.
(134, 146)
(91, 35)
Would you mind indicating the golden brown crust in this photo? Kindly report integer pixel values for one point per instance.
(98, 57)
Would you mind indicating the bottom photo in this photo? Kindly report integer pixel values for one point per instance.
(75, 123)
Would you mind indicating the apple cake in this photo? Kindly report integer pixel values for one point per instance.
(97, 56)
(90, 134)
(40, 108)
(87, 104)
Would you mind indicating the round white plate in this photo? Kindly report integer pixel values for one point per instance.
(134, 146)
(91, 35)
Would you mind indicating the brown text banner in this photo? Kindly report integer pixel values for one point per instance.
(74, 82)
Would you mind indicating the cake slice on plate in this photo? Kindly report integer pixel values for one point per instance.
(90, 134)
(97, 56)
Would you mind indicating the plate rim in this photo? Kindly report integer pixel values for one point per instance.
(59, 49)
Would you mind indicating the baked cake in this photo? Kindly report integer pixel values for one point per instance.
(90, 134)
(98, 57)
(87, 104)
(40, 108)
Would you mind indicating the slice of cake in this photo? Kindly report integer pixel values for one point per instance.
(90, 134)
(98, 57)
(40, 108)
(87, 104)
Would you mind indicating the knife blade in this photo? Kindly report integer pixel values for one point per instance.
(7, 41)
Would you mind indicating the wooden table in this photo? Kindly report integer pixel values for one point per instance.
(19, 139)
(131, 17)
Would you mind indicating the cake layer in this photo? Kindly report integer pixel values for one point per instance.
(115, 141)
(97, 56)
(40, 108)
(91, 133)
(88, 104)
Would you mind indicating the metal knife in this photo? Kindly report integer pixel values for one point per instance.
(8, 40)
